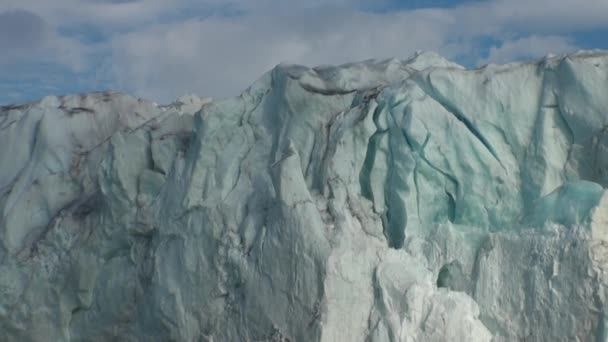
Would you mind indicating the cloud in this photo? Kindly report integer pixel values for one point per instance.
(528, 48)
(25, 36)
(222, 56)
(21, 30)
(529, 14)
(548, 15)
(129, 14)
(163, 48)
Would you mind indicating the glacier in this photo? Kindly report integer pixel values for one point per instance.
(384, 200)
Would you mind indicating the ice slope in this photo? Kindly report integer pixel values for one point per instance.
(377, 201)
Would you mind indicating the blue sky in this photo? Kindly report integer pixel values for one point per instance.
(161, 49)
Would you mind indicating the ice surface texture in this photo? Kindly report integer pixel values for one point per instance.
(376, 201)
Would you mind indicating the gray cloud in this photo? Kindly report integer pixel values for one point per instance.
(133, 14)
(25, 36)
(22, 30)
(529, 14)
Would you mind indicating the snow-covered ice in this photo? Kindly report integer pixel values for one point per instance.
(397, 200)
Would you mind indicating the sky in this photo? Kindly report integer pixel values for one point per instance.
(162, 49)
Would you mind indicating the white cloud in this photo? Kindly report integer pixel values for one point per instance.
(221, 56)
(164, 48)
(529, 47)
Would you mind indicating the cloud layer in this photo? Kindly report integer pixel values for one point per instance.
(161, 49)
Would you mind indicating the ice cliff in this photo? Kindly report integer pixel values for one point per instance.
(377, 201)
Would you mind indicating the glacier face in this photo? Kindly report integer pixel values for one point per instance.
(376, 201)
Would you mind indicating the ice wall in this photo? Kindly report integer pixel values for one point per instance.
(377, 201)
